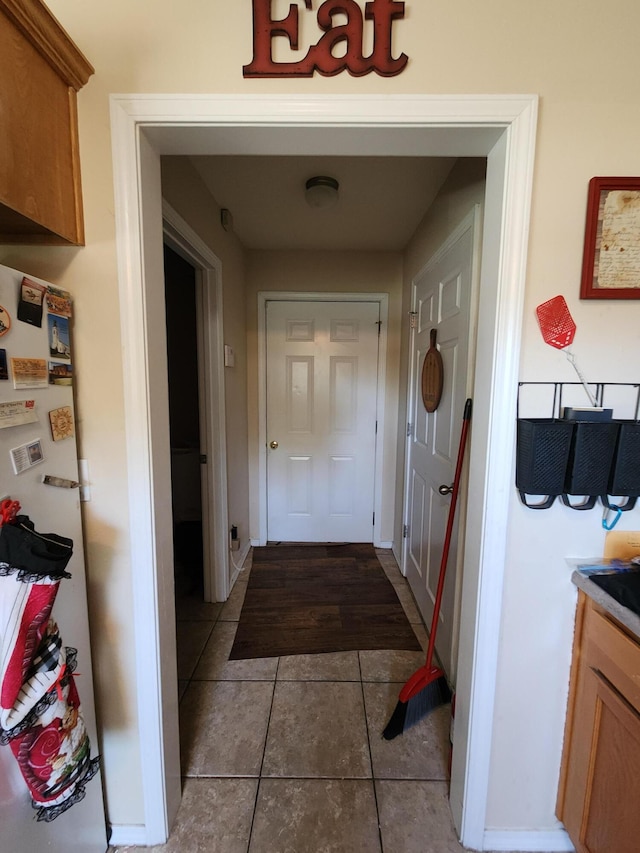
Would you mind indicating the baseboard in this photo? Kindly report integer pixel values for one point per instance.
(385, 544)
(528, 841)
(122, 835)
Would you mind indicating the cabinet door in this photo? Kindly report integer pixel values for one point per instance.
(40, 72)
(611, 817)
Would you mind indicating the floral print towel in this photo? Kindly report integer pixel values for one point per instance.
(40, 714)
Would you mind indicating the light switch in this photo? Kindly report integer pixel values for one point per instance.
(229, 356)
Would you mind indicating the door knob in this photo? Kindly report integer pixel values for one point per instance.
(273, 445)
(445, 490)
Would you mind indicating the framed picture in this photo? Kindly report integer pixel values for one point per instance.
(611, 259)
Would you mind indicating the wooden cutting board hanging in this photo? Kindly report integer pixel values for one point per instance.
(432, 375)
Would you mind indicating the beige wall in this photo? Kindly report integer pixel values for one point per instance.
(580, 56)
(357, 272)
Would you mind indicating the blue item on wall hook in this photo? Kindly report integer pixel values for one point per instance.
(605, 524)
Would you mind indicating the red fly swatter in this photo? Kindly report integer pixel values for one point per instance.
(558, 329)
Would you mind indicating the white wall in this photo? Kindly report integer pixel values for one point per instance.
(580, 56)
(357, 272)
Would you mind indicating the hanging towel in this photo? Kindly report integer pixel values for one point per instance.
(40, 714)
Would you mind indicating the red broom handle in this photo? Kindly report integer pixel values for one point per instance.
(447, 537)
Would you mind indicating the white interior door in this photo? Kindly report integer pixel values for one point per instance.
(442, 300)
(322, 369)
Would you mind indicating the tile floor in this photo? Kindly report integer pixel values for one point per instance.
(285, 755)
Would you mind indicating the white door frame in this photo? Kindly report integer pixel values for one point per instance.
(215, 515)
(500, 127)
(273, 296)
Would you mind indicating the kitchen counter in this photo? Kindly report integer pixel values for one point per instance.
(619, 612)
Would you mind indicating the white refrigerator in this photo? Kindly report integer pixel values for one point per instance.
(37, 443)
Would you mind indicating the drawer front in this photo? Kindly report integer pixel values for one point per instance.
(614, 654)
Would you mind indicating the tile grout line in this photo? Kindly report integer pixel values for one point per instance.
(373, 780)
(294, 778)
(199, 658)
(264, 751)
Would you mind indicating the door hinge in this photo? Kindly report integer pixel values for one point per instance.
(203, 458)
(405, 531)
(379, 325)
(409, 430)
(374, 519)
(376, 427)
(413, 319)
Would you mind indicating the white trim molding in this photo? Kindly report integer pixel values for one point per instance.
(180, 236)
(499, 127)
(502, 285)
(131, 159)
(123, 834)
(528, 841)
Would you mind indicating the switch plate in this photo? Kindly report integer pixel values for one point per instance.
(229, 356)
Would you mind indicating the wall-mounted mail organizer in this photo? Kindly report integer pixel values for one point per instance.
(579, 453)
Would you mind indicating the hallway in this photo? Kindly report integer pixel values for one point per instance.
(284, 755)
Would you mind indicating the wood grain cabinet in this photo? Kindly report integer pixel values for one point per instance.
(598, 792)
(41, 71)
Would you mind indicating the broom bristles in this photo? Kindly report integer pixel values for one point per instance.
(407, 714)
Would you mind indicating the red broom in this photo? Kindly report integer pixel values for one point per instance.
(427, 688)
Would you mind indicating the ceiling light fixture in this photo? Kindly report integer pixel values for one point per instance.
(322, 192)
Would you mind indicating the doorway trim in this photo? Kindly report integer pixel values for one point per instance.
(295, 296)
(208, 267)
(500, 127)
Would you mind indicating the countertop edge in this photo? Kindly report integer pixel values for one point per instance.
(623, 615)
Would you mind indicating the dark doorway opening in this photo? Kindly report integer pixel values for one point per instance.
(184, 422)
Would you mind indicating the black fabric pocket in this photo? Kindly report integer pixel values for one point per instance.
(33, 555)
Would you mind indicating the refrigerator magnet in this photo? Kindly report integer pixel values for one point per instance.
(59, 343)
(17, 412)
(62, 425)
(60, 374)
(29, 373)
(30, 302)
(4, 370)
(59, 302)
(5, 321)
(26, 456)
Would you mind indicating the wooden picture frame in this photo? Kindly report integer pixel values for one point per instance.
(611, 259)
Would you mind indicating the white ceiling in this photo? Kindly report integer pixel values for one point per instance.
(382, 199)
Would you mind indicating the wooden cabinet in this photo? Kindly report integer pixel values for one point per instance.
(597, 799)
(41, 70)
